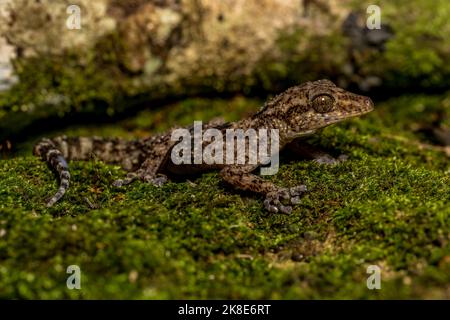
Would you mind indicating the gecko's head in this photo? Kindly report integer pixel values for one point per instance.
(318, 104)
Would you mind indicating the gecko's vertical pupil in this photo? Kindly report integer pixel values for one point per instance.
(323, 103)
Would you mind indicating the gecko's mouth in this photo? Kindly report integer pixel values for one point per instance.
(339, 116)
(364, 107)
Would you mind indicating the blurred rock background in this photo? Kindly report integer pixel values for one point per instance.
(132, 55)
(129, 54)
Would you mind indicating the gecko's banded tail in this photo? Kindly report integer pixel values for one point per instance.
(56, 152)
(47, 150)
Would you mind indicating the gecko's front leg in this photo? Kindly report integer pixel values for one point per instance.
(277, 199)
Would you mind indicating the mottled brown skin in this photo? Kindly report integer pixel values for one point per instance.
(298, 112)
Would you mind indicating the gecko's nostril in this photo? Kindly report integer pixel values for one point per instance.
(368, 102)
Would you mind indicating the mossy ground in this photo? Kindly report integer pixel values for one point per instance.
(388, 205)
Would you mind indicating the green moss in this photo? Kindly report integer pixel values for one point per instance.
(325, 55)
(387, 205)
(417, 53)
(59, 86)
(415, 56)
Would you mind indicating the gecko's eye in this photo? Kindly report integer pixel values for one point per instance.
(323, 103)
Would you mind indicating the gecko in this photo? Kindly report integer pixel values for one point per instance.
(296, 113)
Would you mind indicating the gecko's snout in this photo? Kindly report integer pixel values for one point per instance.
(369, 103)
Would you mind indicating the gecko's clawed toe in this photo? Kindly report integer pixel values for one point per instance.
(326, 159)
(298, 190)
(275, 206)
(158, 180)
(118, 183)
(329, 160)
(273, 202)
(271, 207)
(123, 182)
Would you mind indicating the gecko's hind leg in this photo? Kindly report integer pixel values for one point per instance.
(156, 179)
(145, 174)
(155, 159)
